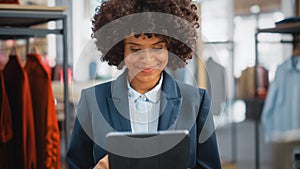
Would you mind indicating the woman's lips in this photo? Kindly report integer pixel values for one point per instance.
(147, 70)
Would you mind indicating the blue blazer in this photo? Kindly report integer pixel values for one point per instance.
(104, 108)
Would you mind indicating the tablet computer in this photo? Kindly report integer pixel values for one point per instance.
(159, 150)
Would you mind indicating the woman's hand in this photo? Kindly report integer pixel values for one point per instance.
(102, 163)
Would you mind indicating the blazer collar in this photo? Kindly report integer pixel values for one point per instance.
(119, 108)
(170, 103)
(118, 103)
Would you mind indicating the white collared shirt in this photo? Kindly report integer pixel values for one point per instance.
(280, 114)
(144, 109)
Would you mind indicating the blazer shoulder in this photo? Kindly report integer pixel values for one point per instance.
(190, 90)
(103, 87)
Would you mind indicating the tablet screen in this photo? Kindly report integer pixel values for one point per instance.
(160, 150)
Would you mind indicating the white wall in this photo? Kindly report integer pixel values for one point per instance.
(287, 7)
(81, 36)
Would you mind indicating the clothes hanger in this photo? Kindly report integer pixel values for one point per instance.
(13, 50)
(33, 50)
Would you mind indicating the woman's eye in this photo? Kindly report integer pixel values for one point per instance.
(135, 49)
(157, 48)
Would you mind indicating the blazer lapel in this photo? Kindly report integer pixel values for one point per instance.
(118, 104)
(170, 106)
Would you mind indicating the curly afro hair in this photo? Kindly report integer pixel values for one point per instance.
(179, 32)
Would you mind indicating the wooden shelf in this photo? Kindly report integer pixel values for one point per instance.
(26, 16)
(32, 8)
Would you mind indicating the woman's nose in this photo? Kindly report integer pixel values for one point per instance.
(146, 55)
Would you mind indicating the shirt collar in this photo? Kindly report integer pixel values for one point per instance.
(294, 63)
(153, 95)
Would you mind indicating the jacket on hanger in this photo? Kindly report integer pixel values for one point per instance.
(5, 114)
(5, 125)
(216, 86)
(246, 83)
(46, 130)
(22, 147)
(281, 112)
(9, 1)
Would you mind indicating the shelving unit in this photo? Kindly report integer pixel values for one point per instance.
(287, 30)
(16, 22)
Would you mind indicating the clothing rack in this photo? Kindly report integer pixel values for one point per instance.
(233, 126)
(16, 22)
(287, 30)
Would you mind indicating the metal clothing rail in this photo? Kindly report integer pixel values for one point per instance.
(287, 30)
(16, 22)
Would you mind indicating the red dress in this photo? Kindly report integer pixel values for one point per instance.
(46, 130)
(21, 149)
(5, 125)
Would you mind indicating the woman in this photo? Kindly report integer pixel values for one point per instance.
(144, 98)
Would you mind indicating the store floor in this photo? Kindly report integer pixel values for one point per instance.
(244, 146)
(272, 156)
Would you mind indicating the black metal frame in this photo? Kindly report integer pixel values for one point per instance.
(18, 27)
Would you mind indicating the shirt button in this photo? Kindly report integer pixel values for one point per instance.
(143, 97)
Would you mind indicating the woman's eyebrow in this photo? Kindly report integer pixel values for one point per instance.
(132, 43)
(158, 42)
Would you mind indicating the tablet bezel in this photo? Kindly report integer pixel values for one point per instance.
(133, 144)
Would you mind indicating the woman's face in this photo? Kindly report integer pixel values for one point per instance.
(145, 58)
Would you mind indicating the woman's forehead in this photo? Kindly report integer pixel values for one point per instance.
(143, 38)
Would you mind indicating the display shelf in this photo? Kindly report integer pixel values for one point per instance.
(28, 15)
(17, 21)
(31, 8)
(287, 30)
(9, 33)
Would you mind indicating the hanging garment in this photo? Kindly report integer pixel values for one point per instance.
(22, 147)
(281, 112)
(262, 82)
(6, 132)
(45, 120)
(246, 83)
(9, 1)
(216, 85)
(5, 125)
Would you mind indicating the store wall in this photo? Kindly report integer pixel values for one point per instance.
(82, 57)
(287, 7)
